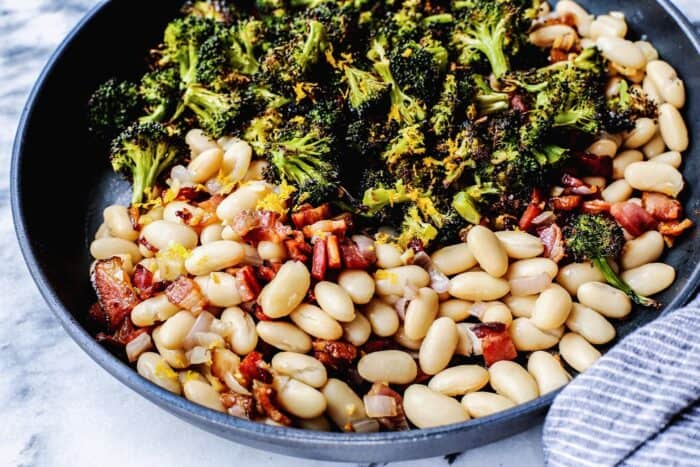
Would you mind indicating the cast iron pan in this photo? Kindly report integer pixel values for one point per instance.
(61, 183)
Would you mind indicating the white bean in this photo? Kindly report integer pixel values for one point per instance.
(667, 83)
(644, 130)
(151, 310)
(162, 234)
(211, 233)
(382, 317)
(487, 250)
(617, 192)
(236, 159)
(357, 331)
(577, 352)
(547, 371)
(286, 291)
(118, 222)
(390, 366)
(421, 313)
(358, 284)
(199, 142)
(244, 336)
(652, 93)
(521, 307)
(532, 267)
(454, 259)
(650, 278)
(621, 52)
(175, 329)
(673, 128)
(244, 198)
(478, 286)
(672, 158)
(154, 368)
(605, 299)
(206, 165)
(102, 232)
(624, 159)
(316, 322)
(644, 249)
(388, 256)
(107, 247)
(405, 341)
(343, 405)
(335, 301)
(609, 26)
(256, 172)
(573, 275)
(426, 408)
(220, 289)
(604, 147)
(203, 394)
(654, 176)
(455, 309)
(551, 308)
(528, 337)
(272, 251)
(214, 256)
(297, 398)
(393, 281)
(648, 50)
(438, 346)
(520, 245)
(590, 324)
(654, 147)
(315, 424)
(284, 336)
(546, 35)
(512, 381)
(483, 404)
(496, 312)
(176, 358)
(459, 380)
(582, 19)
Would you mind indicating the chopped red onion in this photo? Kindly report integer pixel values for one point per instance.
(138, 345)
(378, 406)
(438, 280)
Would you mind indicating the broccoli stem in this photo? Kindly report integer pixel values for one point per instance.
(613, 279)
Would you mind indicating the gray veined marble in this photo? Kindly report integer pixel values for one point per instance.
(57, 407)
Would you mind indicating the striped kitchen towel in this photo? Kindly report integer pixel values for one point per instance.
(639, 405)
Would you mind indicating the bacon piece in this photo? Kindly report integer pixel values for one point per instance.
(377, 345)
(319, 260)
(115, 293)
(397, 422)
(238, 405)
(190, 193)
(352, 256)
(533, 210)
(254, 368)
(325, 227)
(185, 293)
(662, 207)
(248, 285)
(597, 166)
(566, 202)
(143, 281)
(517, 103)
(142, 241)
(496, 343)
(334, 354)
(266, 403)
(308, 215)
(259, 315)
(98, 316)
(333, 252)
(297, 247)
(595, 206)
(125, 334)
(256, 226)
(674, 228)
(553, 242)
(633, 218)
(267, 272)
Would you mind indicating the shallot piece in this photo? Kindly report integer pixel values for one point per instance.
(201, 324)
(544, 218)
(439, 282)
(137, 346)
(380, 406)
(529, 285)
(366, 246)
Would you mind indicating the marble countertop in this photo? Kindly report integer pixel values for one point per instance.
(58, 408)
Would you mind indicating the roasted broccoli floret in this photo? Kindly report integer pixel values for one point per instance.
(491, 29)
(366, 92)
(112, 108)
(405, 110)
(160, 90)
(418, 68)
(623, 109)
(182, 41)
(484, 99)
(259, 131)
(142, 153)
(339, 20)
(597, 237)
(218, 10)
(368, 138)
(305, 161)
(215, 112)
(410, 142)
(415, 229)
(442, 115)
(463, 152)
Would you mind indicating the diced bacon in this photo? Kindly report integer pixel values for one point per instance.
(193, 194)
(248, 285)
(674, 228)
(397, 422)
(114, 291)
(143, 242)
(566, 202)
(495, 341)
(267, 272)
(256, 226)
(633, 218)
(595, 206)
(352, 256)
(308, 215)
(552, 239)
(333, 252)
(319, 260)
(575, 186)
(143, 281)
(662, 207)
(322, 228)
(597, 166)
(376, 345)
(238, 405)
(185, 293)
(254, 368)
(297, 247)
(533, 210)
(125, 334)
(335, 355)
(266, 403)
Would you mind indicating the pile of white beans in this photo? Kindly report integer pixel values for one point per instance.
(567, 316)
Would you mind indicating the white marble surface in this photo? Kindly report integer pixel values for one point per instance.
(57, 407)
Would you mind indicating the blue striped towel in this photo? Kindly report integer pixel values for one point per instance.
(639, 405)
